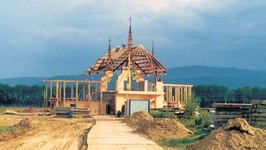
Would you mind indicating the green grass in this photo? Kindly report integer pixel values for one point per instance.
(8, 128)
(17, 109)
(181, 144)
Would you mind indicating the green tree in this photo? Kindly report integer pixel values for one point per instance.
(191, 107)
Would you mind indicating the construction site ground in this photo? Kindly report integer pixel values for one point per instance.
(52, 133)
(46, 133)
(112, 134)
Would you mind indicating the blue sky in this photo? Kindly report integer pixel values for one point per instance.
(63, 37)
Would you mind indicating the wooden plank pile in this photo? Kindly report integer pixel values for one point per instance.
(225, 111)
(68, 112)
(258, 113)
(80, 112)
(63, 112)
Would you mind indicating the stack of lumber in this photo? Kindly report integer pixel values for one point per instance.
(225, 111)
(80, 112)
(64, 112)
(258, 113)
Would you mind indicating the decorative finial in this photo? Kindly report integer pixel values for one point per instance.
(109, 49)
(130, 40)
(153, 48)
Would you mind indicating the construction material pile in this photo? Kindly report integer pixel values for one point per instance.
(30, 110)
(24, 124)
(158, 128)
(236, 134)
(18, 129)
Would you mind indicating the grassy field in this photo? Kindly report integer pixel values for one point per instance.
(17, 109)
(8, 128)
(181, 144)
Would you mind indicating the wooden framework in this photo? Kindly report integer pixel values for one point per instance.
(136, 57)
(179, 93)
(84, 91)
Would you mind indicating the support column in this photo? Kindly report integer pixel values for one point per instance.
(51, 89)
(77, 93)
(83, 92)
(105, 79)
(56, 94)
(51, 94)
(46, 95)
(101, 102)
(72, 92)
(64, 96)
(89, 95)
(177, 93)
(181, 95)
(189, 92)
(60, 92)
(46, 90)
(185, 95)
(169, 93)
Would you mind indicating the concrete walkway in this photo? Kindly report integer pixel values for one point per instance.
(109, 133)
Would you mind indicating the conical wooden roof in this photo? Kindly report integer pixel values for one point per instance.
(117, 59)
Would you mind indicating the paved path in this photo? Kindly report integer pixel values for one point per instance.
(109, 133)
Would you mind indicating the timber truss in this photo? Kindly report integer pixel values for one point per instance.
(117, 59)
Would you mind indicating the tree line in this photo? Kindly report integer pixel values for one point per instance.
(209, 94)
(23, 95)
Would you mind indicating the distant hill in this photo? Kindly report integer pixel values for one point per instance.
(39, 80)
(196, 75)
(230, 77)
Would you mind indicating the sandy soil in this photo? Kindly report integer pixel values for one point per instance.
(237, 134)
(157, 128)
(48, 133)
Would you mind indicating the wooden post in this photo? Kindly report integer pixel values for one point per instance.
(46, 90)
(77, 93)
(83, 91)
(101, 103)
(177, 93)
(64, 95)
(185, 94)
(181, 94)
(57, 93)
(51, 89)
(169, 93)
(166, 93)
(44, 100)
(72, 92)
(89, 94)
(46, 95)
(51, 94)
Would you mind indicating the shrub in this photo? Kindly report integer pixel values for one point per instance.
(159, 114)
(191, 107)
(189, 123)
(203, 120)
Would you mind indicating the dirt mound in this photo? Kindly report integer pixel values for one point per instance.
(158, 128)
(24, 124)
(30, 110)
(19, 129)
(5, 136)
(237, 134)
(140, 116)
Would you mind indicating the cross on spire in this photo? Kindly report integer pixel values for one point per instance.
(109, 49)
(130, 40)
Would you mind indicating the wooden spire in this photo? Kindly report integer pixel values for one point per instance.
(109, 49)
(152, 48)
(130, 40)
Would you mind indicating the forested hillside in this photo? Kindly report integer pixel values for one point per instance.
(196, 75)
(211, 85)
(22, 95)
(203, 75)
